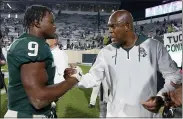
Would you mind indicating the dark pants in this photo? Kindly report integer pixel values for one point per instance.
(2, 83)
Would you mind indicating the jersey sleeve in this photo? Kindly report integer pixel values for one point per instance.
(31, 51)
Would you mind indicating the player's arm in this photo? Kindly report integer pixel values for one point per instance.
(34, 78)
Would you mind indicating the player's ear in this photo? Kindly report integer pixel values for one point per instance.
(37, 23)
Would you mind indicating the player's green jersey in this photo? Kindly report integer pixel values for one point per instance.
(26, 49)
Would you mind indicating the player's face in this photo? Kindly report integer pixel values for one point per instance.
(117, 31)
(47, 25)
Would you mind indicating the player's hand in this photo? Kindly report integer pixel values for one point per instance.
(70, 72)
(153, 104)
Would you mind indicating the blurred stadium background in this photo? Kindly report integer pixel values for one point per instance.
(82, 30)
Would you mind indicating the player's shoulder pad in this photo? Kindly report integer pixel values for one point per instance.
(30, 50)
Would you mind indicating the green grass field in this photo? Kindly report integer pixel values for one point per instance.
(74, 104)
(5, 68)
(3, 102)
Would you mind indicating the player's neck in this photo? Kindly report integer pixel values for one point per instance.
(35, 33)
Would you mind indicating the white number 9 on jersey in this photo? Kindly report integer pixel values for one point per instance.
(33, 47)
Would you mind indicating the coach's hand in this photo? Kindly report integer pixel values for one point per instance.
(153, 104)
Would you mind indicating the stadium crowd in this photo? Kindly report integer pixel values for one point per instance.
(81, 32)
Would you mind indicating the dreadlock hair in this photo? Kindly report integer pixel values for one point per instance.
(34, 12)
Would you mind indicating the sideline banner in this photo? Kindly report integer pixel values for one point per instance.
(173, 44)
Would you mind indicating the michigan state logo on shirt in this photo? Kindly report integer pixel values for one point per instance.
(142, 52)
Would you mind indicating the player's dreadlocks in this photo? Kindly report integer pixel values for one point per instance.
(34, 12)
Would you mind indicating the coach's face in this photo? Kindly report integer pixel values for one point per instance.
(117, 29)
(47, 25)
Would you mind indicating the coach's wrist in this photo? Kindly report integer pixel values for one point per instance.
(77, 75)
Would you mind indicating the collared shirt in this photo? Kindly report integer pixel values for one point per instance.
(132, 76)
(61, 63)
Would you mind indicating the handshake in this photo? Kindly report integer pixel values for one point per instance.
(73, 71)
